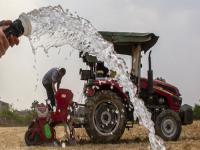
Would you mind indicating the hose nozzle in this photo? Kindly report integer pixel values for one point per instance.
(26, 23)
(21, 26)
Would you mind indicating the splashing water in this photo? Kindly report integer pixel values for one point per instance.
(55, 27)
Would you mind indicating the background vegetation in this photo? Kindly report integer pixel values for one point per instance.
(12, 117)
(196, 112)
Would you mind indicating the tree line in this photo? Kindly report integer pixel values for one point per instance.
(196, 111)
(11, 117)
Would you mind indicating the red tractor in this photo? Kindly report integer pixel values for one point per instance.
(108, 110)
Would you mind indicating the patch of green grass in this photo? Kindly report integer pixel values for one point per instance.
(12, 116)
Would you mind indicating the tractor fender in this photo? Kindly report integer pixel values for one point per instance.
(111, 85)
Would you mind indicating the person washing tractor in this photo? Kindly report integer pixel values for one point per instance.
(49, 81)
(11, 31)
(5, 41)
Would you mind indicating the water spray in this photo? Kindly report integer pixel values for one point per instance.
(19, 27)
(55, 27)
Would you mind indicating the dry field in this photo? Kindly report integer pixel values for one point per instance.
(136, 138)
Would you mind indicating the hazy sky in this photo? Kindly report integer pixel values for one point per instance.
(175, 57)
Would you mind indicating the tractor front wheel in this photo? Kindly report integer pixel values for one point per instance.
(168, 125)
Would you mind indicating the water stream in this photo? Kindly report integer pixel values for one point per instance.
(55, 27)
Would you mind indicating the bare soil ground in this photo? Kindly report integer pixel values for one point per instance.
(136, 138)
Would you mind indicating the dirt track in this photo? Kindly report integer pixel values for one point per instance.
(136, 138)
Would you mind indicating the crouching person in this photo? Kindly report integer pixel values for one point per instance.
(50, 79)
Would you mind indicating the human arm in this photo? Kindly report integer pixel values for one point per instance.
(53, 86)
(58, 85)
(55, 79)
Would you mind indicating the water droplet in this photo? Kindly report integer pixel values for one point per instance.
(54, 109)
(117, 112)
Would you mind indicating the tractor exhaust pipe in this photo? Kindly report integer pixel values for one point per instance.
(150, 76)
(19, 27)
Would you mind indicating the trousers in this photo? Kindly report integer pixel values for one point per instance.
(50, 93)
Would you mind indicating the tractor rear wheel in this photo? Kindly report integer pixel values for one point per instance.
(105, 117)
(168, 125)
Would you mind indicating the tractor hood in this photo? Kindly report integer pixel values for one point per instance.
(160, 85)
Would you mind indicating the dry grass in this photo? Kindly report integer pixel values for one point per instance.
(136, 138)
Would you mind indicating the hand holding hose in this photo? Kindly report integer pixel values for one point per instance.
(5, 42)
(10, 31)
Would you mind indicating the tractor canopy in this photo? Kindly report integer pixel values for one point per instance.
(130, 43)
(124, 42)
